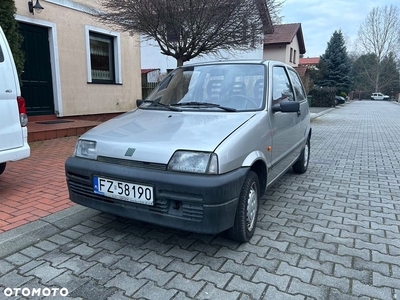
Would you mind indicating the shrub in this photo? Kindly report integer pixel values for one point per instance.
(323, 96)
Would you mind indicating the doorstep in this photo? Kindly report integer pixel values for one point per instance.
(46, 127)
(51, 128)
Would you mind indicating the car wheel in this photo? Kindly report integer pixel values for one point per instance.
(2, 167)
(247, 210)
(301, 164)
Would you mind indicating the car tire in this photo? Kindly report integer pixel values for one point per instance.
(2, 167)
(247, 210)
(301, 165)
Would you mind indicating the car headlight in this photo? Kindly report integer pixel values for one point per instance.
(86, 149)
(194, 162)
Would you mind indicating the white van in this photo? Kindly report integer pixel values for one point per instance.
(13, 120)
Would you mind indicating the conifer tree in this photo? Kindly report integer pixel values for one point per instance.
(10, 28)
(336, 64)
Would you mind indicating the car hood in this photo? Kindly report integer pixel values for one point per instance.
(156, 135)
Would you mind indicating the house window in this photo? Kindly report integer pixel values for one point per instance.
(103, 56)
(291, 54)
(172, 35)
(294, 56)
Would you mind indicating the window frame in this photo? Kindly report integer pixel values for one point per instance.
(276, 82)
(297, 85)
(116, 49)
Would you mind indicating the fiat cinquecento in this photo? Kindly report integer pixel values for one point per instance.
(199, 152)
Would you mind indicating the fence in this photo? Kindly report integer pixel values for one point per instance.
(147, 88)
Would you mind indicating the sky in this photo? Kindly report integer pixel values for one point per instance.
(320, 18)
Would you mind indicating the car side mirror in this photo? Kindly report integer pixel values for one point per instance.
(139, 102)
(286, 106)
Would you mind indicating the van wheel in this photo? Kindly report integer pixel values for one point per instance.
(301, 165)
(247, 210)
(2, 167)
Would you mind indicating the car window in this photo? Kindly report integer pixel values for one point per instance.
(239, 87)
(281, 87)
(297, 86)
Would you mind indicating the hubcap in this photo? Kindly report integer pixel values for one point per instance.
(252, 204)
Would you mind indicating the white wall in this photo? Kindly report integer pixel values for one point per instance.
(151, 56)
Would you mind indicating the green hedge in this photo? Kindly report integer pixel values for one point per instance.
(323, 96)
(10, 28)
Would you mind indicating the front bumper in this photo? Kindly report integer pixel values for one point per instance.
(192, 202)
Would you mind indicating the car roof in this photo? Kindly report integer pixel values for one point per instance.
(243, 61)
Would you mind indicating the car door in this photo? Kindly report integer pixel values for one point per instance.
(285, 125)
(301, 97)
(10, 128)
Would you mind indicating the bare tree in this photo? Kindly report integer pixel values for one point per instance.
(380, 35)
(185, 29)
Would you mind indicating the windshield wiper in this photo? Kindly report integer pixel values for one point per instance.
(204, 104)
(154, 103)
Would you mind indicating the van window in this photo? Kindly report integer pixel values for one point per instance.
(1, 55)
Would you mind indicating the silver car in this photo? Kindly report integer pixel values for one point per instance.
(199, 152)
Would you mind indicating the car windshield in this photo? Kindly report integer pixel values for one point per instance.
(228, 87)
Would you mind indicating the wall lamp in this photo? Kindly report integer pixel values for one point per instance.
(37, 7)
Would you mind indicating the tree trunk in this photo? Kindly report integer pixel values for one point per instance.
(179, 62)
(377, 75)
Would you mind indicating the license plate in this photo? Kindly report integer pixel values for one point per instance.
(121, 190)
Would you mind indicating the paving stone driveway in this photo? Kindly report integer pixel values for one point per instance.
(332, 233)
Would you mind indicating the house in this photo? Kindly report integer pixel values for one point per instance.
(310, 62)
(306, 64)
(76, 65)
(285, 44)
(304, 74)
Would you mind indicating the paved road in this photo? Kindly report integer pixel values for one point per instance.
(332, 233)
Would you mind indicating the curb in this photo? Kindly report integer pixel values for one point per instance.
(26, 235)
(316, 115)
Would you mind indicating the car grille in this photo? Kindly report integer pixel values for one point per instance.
(81, 185)
(132, 163)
